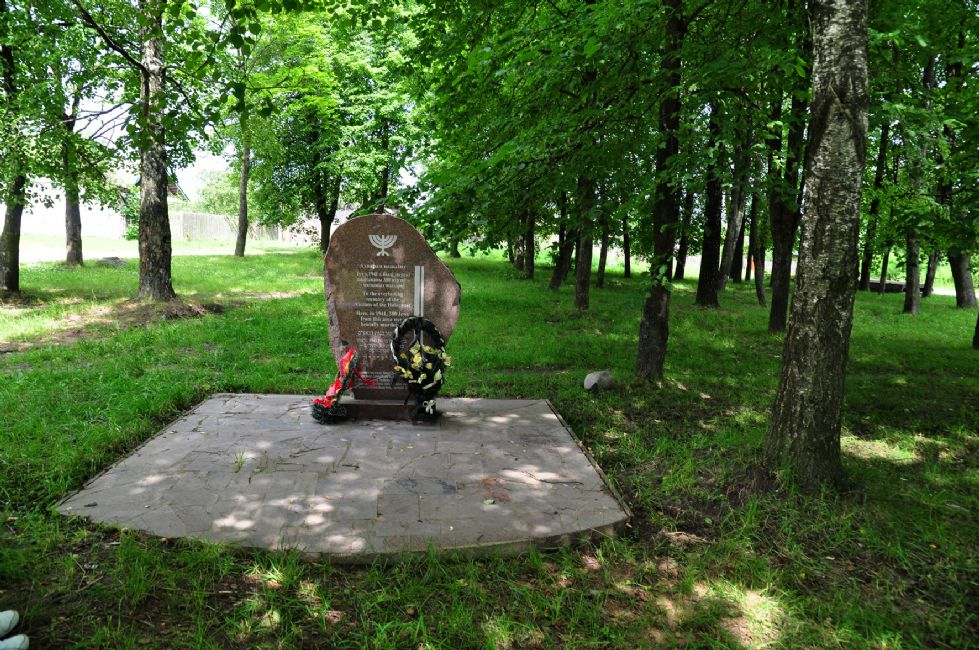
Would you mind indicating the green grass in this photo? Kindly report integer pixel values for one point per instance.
(717, 555)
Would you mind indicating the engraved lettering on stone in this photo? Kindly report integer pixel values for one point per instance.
(383, 242)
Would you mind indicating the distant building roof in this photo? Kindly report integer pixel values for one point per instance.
(173, 189)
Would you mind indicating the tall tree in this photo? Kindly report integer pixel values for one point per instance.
(805, 430)
(871, 234)
(14, 164)
(654, 328)
(708, 282)
(684, 246)
(734, 236)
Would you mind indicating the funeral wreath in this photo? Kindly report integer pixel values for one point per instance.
(418, 348)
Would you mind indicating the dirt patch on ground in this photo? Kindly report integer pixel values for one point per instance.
(118, 316)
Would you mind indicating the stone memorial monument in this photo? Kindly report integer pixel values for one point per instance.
(379, 270)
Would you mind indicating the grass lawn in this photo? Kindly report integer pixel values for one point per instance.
(718, 555)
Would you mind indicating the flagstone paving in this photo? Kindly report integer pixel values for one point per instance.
(256, 470)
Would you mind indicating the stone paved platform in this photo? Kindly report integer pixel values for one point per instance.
(258, 471)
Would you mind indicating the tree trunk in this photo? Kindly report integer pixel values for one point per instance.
(805, 431)
(965, 292)
(879, 173)
(709, 281)
(883, 270)
(784, 216)
(322, 214)
(331, 212)
(10, 237)
(975, 337)
(582, 275)
(563, 264)
(738, 261)
(931, 269)
(17, 194)
(654, 327)
(246, 161)
(602, 252)
(454, 248)
(566, 247)
(73, 213)
(626, 248)
(758, 252)
(751, 220)
(518, 252)
(529, 244)
(684, 246)
(912, 277)
(734, 237)
(155, 279)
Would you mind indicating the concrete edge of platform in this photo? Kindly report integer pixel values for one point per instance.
(510, 548)
(591, 459)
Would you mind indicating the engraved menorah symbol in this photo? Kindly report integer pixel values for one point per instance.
(383, 242)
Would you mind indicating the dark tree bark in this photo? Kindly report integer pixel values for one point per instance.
(69, 169)
(518, 252)
(454, 248)
(73, 213)
(965, 292)
(10, 237)
(582, 272)
(751, 220)
(654, 327)
(155, 278)
(758, 252)
(734, 237)
(805, 431)
(736, 264)
(931, 269)
(883, 270)
(331, 212)
(322, 213)
(566, 247)
(879, 173)
(783, 214)
(529, 243)
(626, 248)
(563, 264)
(912, 276)
(684, 246)
(246, 161)
(975, 337)
(708, 281)
(17, 193)
(602, 252)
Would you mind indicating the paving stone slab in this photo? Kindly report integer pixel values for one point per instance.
(257, 471)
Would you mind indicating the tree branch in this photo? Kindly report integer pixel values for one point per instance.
(87, 17)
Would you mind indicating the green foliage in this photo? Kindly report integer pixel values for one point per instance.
(219, 194)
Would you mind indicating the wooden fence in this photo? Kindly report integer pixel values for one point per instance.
(193, 226)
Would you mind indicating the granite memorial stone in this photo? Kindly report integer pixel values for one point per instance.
(379, 270)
